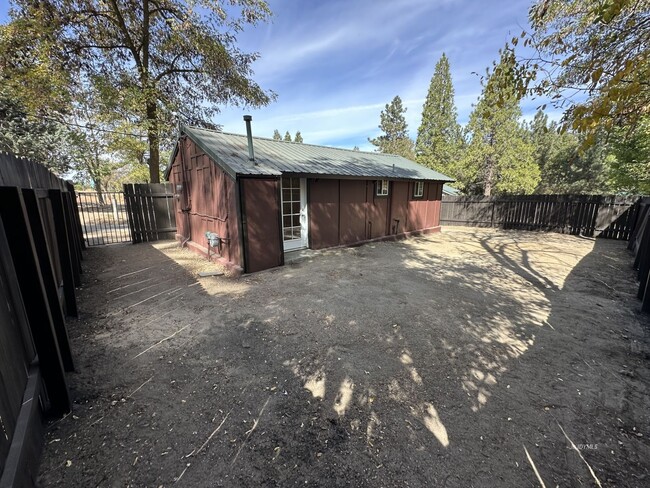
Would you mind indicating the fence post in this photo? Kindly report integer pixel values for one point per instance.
(130, 209)
(114, 205)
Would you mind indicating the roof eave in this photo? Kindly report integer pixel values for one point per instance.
(227, 168)
(172, 157)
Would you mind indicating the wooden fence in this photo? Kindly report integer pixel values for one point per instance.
(150, 208)
(40, 266)
(611, 217)
(640, 245)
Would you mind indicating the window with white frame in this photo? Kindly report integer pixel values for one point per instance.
(418, 189)
(382, 188)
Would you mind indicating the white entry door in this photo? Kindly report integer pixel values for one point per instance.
(294, 213)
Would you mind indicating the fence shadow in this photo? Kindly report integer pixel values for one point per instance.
(445, 366)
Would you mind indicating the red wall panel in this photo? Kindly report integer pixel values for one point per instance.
(352, 207)
(399, 207)
(344, 212)
(323, 213)
(434, 194)
(261, 209)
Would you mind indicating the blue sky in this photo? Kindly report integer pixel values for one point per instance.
(335, 64)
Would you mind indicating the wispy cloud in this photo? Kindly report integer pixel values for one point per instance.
(335, 64)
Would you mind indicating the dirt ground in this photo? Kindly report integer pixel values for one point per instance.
(468, 358)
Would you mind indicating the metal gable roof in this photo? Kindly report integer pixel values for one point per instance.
(274, 158)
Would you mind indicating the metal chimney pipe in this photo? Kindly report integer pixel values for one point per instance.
(249, 134)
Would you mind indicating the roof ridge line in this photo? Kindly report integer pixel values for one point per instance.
(297, 143)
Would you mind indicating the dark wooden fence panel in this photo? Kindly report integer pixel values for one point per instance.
(640, 246)
(150, 209)
(612, 217)
(40, 264)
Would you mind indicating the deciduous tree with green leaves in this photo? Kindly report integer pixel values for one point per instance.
(35, 137)
(499, 158)
(599, 49)
(276, 135)
(630, 170)
(167, 56)
(287, 137)
(395, 138)
(439, 142)
(298, 138)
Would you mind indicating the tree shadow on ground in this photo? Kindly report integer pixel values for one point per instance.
(437, 361)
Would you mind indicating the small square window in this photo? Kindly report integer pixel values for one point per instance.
(418, 189)
(382, 188)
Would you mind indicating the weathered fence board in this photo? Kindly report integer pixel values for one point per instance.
(40, 253)
(611, 217)
(150, 209)
(65, 253)
(640, 245)
(32, 288)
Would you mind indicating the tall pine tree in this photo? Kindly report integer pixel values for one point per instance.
(395, 139)
(500, 156)
(276, 135)
(439, 142)
(298, 137)
(287, 137)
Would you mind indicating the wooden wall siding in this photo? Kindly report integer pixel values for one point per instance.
(324, 214)
(207, 201)
(40, 253)
(352, 208)
(605, 216)
(399, 200)
(261, 223)
(344, 212)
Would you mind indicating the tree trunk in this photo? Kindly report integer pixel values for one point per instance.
(97, 183)
(152, 136)
(489, 177)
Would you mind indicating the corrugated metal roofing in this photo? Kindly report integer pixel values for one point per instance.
(450, 190)
(274, 158)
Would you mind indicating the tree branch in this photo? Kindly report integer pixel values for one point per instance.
(121, 24)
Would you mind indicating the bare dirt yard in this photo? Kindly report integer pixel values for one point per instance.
(468, 358)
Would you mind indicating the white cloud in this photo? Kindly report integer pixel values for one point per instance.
(336, 64)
